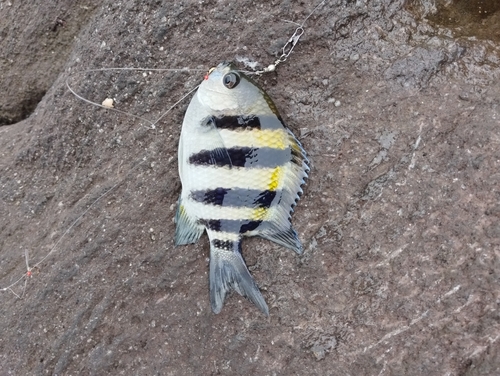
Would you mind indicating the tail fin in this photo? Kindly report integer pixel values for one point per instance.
(228, 271)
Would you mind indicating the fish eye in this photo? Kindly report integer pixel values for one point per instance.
(231, 80)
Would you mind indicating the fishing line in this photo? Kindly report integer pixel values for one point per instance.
(139, 162)
(152, 123)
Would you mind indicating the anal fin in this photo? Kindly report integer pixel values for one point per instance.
(187, 231)
(287, 238)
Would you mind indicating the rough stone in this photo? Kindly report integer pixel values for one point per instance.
(399, 218)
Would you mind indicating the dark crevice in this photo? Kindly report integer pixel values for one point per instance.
(22, 110)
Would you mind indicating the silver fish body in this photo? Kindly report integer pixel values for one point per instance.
(241, 170)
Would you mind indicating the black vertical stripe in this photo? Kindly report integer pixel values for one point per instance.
(235, 197)
(216, 157)
(212, 224)
(230, 225)
(241, 156)
(237, 122)
(241, 123)
(210, 196)
(249, 226)
(265, 198)
(226, 245)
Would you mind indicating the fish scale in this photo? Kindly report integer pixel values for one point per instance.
(241, 171)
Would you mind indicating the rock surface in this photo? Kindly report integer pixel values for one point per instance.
(400, 114)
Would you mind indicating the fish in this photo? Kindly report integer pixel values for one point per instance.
(242, 171)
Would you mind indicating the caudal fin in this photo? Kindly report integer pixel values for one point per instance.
(228, 271)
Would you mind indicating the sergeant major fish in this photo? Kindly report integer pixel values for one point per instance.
(241, 170)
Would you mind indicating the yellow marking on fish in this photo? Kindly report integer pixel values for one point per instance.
(271, 138)
(296, 147)
(258, 214)
(275, 178)
(182, 211)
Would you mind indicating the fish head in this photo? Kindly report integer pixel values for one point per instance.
(226, 90)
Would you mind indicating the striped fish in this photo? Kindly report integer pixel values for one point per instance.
(241, 170)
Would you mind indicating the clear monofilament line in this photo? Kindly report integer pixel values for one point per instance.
(151, 123)
(139, 161)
